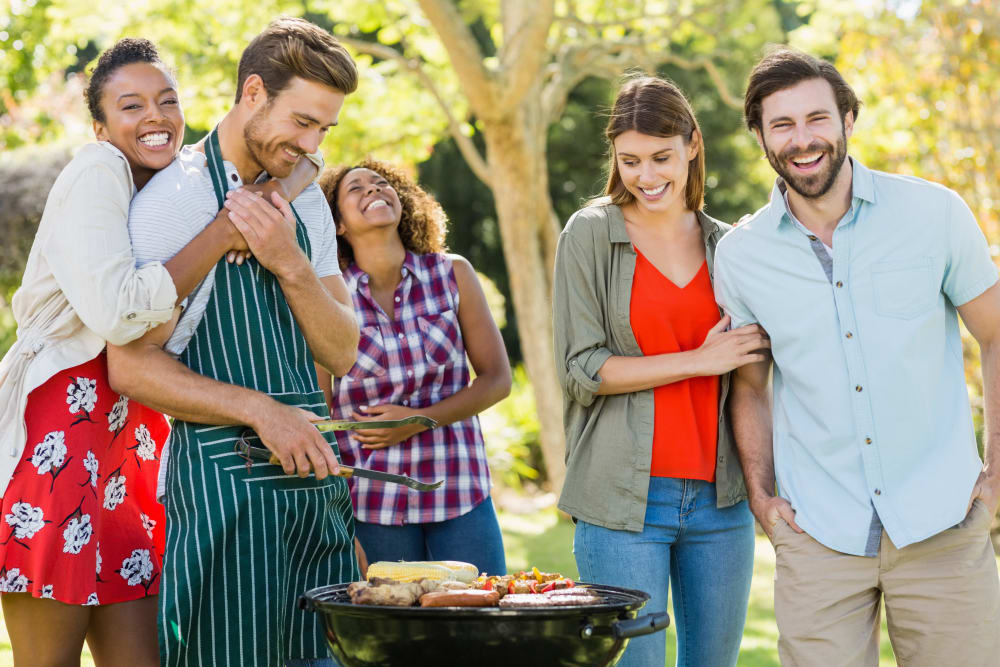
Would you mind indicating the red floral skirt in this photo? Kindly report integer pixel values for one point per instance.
(79, 521)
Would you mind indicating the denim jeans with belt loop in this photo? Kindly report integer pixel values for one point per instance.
(704, 553)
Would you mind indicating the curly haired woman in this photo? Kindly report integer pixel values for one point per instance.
(421, 311)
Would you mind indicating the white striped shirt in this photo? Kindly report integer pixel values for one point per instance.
(179, 201)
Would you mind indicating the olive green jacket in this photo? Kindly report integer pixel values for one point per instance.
(609, 439)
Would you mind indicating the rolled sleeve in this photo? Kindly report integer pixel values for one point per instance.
(579, 335)
(726, 289)
(92, 260)
(583, 379)
(969, 270)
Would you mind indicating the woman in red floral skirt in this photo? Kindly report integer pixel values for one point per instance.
(81, 532)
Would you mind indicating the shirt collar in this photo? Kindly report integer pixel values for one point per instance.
(354, 275)
(619, 234)
(107, 145)
(862, 187)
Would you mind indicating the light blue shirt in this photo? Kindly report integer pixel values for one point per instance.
(870, 403)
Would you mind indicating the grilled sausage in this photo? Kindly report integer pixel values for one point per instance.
(466, 598)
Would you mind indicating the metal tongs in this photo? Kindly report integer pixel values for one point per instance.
(251, 453)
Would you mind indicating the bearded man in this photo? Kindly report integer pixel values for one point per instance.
(244, 541)
(859, 277)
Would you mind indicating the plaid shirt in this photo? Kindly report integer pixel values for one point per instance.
(415, 361)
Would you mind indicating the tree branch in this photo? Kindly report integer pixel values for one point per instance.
(710, 68)
(524, 53)
(466, 57)
(468, 149)
(610, 59)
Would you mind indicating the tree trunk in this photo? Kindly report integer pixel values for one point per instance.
(516, 156)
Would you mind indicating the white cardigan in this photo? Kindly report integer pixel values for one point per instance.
(80, 287)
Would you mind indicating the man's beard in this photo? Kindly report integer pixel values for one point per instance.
(255, 136)
(812, 186)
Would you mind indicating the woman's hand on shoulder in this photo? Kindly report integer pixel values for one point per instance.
(725, 350)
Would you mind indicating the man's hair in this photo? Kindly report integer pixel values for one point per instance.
(656, 107)
(125, 52)
(291, 47)
(783, 68)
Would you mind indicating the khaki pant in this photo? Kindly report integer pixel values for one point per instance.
(942, 600)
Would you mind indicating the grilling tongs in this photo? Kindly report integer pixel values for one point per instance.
(249, 452)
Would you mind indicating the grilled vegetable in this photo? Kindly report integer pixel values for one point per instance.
(442, 570)
(464, 572)
(404, 571)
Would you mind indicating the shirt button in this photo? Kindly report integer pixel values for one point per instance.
(840, 283)
(235, 178)
(37, 346)
(409, 373)
(813, 237)
(868, 441)
(857, 387)
(848, 335)
(402, 335)
(878, 492)
(406, 402)
(130, 316)
(397, 299)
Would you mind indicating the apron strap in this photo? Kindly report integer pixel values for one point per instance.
(213, 152)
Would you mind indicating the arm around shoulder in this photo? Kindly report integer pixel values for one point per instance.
(90, 254)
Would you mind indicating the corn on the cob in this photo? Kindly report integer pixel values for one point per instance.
(464, 572)
(409, 571)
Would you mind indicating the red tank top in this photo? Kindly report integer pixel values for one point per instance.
(665, 319)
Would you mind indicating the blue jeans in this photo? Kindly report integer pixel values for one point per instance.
(473, 538)
(705, 553)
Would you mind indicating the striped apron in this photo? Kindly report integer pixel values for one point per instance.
(243, 542)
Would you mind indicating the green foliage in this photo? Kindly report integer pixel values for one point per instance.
(510, 430)
(8, 327)
(495, 300)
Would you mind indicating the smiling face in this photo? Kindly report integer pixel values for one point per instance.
(804, 137)
(142, 117)
(293, 122)
(366, 201)
(654, 169)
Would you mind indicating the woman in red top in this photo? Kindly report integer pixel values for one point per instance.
(692, 540)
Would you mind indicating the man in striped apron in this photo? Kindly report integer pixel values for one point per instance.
(245, 540)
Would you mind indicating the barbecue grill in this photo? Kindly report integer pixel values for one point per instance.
(592, 635)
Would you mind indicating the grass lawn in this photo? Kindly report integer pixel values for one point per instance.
(546, 541)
